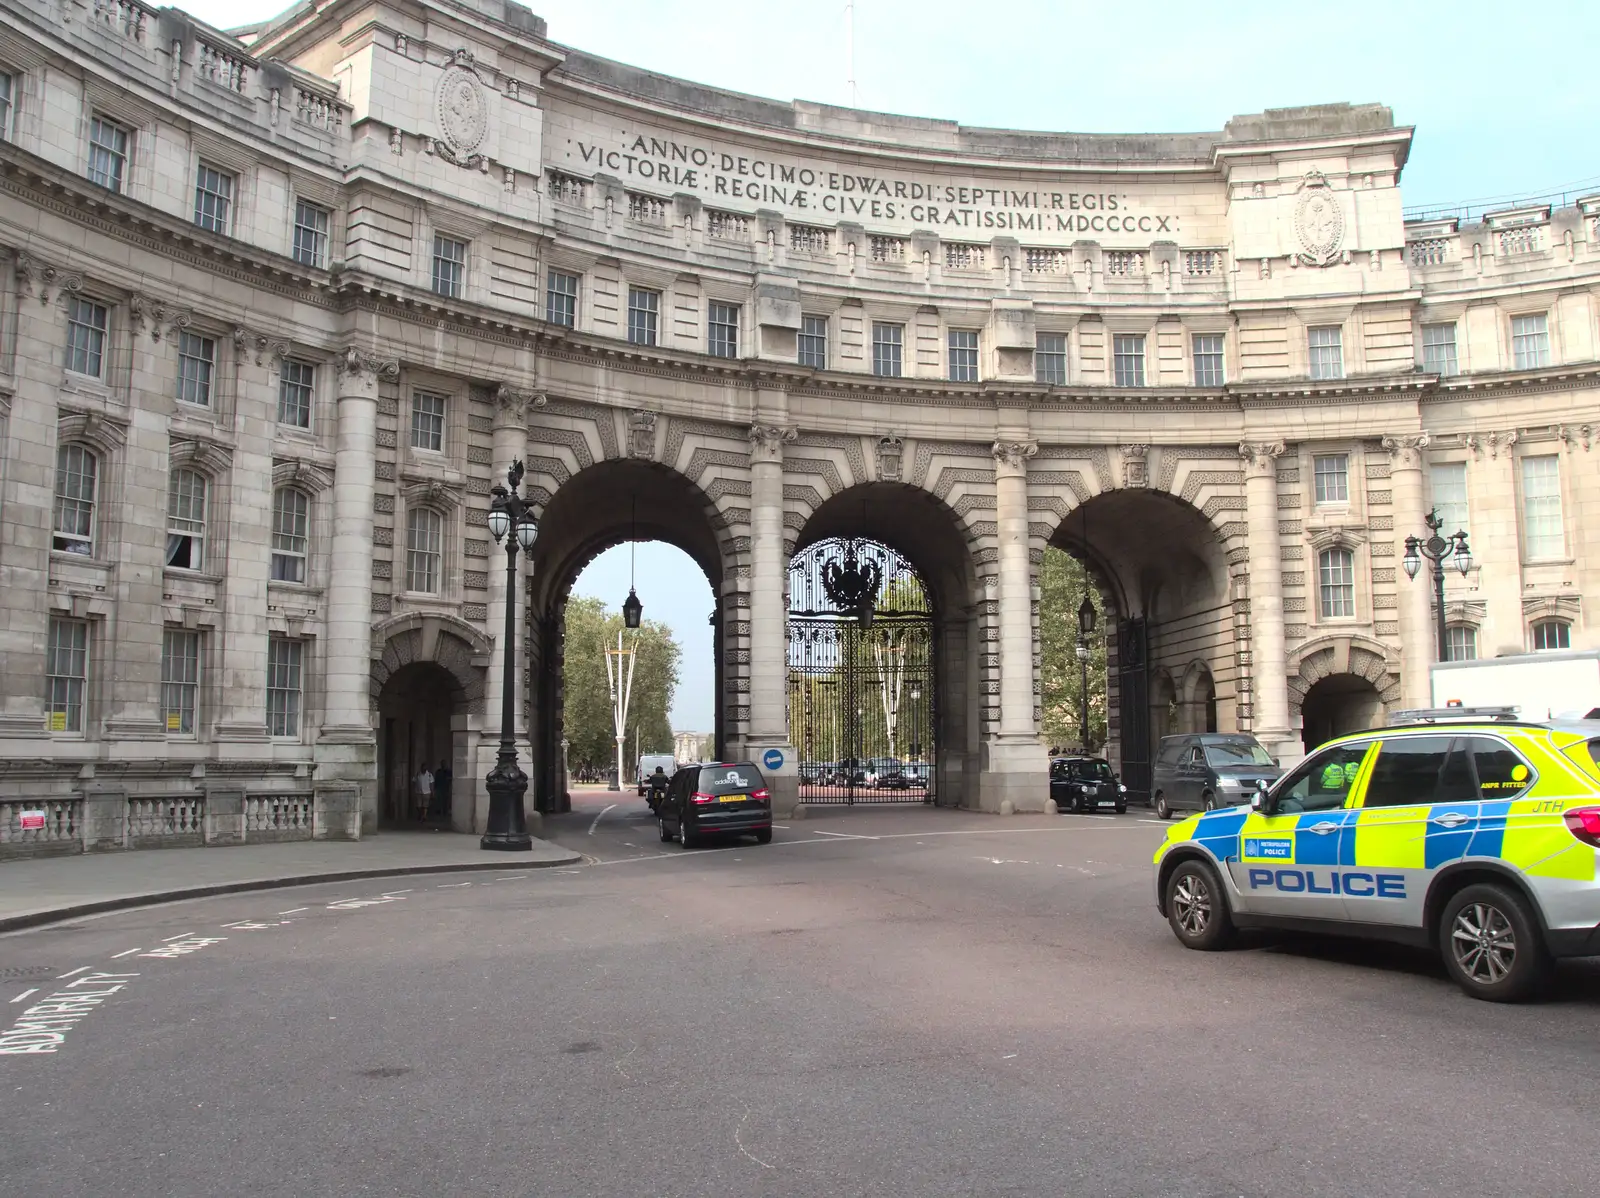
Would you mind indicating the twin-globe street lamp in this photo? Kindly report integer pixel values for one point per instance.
(1437, 550)
(506, 783)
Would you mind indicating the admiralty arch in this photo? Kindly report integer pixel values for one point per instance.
(281, 304)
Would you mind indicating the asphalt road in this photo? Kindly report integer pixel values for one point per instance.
(885, 1002)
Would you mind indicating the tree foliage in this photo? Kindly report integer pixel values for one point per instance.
(591, 628)
(1062, 583)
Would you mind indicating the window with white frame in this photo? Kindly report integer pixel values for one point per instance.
(814, 342)
(1325, 346)
(311, 233)
(1336, 575)
(1447, 486)
(180, 680)
(644, 315)
(284, 660)
(1050, 359)
(197, 362)
(722, 330)
(1530, 341)
(186, 520)
(888, 349)
(1551, 634)
(427, 421)
(1461, 643)
(291, 521)
(1208, 367)
(87, 323)
(449, 266)
(1330, 473)
(108, 153)
(1542, 534)
(8, 84)
(424, 550)
(1127, 359)
(561, 299)
(77, 478)
(297, 386)
(213, 198)
(1439, 348)
(66, 674)
(961, 350)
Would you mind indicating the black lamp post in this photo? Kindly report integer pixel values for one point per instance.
(1437, 550)
(509, 514)
(1085, 630)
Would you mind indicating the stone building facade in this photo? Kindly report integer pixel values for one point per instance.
(279, 306)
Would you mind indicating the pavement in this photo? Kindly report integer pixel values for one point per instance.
(47, 889)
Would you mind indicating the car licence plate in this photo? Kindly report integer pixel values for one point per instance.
(732, 798)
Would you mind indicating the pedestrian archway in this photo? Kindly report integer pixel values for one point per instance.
(422, 723)
(1338, 704)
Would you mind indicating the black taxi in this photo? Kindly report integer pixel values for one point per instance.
(723, 799)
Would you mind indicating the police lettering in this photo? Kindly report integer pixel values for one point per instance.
(1355, 883)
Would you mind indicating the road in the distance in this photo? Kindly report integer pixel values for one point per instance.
(922, 1003)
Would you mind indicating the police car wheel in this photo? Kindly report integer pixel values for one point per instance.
(1491, 944)
(1162, 810)
(1197, 909)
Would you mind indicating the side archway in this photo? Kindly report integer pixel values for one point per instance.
(1340, 684)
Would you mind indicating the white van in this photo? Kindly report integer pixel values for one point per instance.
(647, 766)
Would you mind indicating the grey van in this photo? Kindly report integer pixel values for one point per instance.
(1198, 771)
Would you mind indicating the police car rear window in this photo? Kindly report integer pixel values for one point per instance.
(1594, 752)
(1502, 774)
(729, 779)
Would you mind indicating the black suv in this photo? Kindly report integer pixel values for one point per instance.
(726, 799)
(1083, 783)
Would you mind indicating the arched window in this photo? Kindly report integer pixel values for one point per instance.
(424, 549)
(1336, 572)
(186, 520)
(1461, 643)
(291, 510)
(77, 477)
(1552, 634)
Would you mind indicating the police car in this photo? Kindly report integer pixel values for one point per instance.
(1461, 829)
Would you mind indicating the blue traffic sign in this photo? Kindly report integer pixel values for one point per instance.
(773, 759)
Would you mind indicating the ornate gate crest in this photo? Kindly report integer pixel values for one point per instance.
(462, 108)
(1318, 221)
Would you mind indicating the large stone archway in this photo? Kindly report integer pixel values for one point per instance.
(1340, 684)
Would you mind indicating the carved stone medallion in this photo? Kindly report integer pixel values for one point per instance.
(1318, 222)
(462, 107)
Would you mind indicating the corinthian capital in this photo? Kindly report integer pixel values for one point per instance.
(1013, 455)
(1260, 457)
(1405, 452)
(357, 364)
(512, 404)
(767, 441)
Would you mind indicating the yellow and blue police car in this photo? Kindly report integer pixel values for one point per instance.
(1465, 830)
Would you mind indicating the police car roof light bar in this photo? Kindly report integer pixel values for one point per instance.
(1455, 712)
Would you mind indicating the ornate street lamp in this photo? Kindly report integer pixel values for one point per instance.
(1086, 618)
(632, 609)
(511, 519)
(1437, 550)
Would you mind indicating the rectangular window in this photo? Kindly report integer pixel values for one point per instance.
(644, 313)
(1461, 643)
(1552, 634)
(108, 153)
(186, 520)
(1127, 359)
(1439, 348)
(449, 266)
(291, 519)
(1331, 472)
(1050, 359)
(814, 341)
(213, 198)
(1326, 349)
(1208, 370)
(961, 349)
(1541, 507)
(1447, 482)
(66, 674)
(283, 686)
(1337, 575)
(1530, 341)
(427, 421)
(8, 85)
(722, 330)
(888, 346)
(561, 299)
(197, 359)
(180, 680)
(77, 476)
(424, 550)
(86, 336)
(297, 382)
(310, 234)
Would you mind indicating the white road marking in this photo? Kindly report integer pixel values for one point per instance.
(25, 994)
(124, 953)
(600, 817)
(294, 911)
(785, 827)
(842, 835)
(179, 936)
(44, 1026)
(452, 885)
(356, 904)
(72, 972)
(387, 893)
(1009, 1057)
(176, 947)
(512, 878)
(738, 1140)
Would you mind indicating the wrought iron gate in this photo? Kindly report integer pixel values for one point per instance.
(861, 676)
(1133, 678)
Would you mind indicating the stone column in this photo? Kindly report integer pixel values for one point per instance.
(1269, 671)
(768, 728)
(1417, 649)
(346, 747)
(1015, 772)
